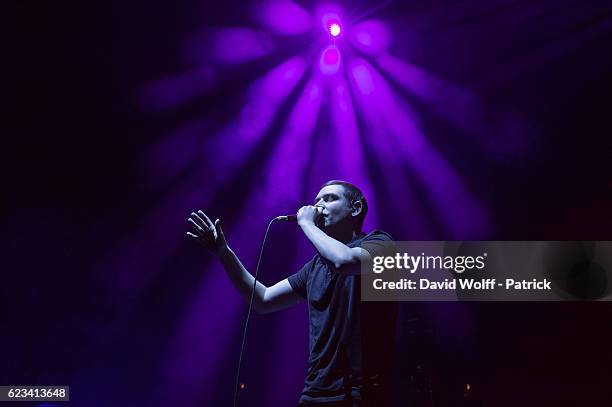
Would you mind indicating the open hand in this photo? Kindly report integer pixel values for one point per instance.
(208, 234)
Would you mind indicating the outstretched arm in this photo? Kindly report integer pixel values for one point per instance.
(266, 299)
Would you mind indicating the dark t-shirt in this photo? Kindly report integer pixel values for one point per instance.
(351, 342)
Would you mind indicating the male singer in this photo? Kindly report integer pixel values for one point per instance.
(351, 342)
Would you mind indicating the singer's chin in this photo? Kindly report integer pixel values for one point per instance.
(321, 224)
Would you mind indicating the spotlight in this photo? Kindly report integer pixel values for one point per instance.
(334, 29)
(330, 60)
(331, 56)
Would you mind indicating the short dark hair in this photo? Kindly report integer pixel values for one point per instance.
(352, 194)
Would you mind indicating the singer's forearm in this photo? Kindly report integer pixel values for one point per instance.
(333, 250)
(241, 279)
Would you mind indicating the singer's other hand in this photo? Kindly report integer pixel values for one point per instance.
(208, 234)
(309, 214)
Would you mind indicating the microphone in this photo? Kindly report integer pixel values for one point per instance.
(293, 218)
(286, 218)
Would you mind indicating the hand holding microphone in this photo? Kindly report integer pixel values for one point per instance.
(306, 213)
(309, 214)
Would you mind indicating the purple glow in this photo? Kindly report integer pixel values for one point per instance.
(334, 29)
(138, 257)
(229, 45)
(283, 17)
(363, 79)
(351, 164)
(504, 133)
(185, 366)
(194, 163)
(280, 81)
(263, 100)
(385, 152)
(331, 56)
(176, 90)
(290, 345)
(455, 103)
(371, 37)
(188, 363)
(326, 15)
(291, 155)
(277, 194)
(411, 77)
(165, 160)
(155, 241)
(330, 60)
(463, 214)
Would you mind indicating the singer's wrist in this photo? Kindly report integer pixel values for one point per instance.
(306, 223)
(224, 252)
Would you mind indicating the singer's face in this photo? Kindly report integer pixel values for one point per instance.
(335, 206)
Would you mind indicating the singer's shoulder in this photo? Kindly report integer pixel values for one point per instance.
(377, 243)
(374, 236)
(377, 234)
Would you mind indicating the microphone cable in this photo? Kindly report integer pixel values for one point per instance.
(237, 388)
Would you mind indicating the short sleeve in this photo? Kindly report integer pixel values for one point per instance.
(299, 280)
(377, 243)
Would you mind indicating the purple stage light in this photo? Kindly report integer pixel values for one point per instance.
(362, 75)
(283, 17)
(331, 56)
(334, 29)
(329, 15)
(330, 60)
(371, 37)
(228, 46)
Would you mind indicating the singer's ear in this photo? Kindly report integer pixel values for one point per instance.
(357, 208)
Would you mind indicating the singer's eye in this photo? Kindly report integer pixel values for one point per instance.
(327, 198)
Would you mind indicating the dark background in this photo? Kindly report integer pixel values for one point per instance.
(75, 134)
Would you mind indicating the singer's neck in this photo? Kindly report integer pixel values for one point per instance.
(343, 235)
